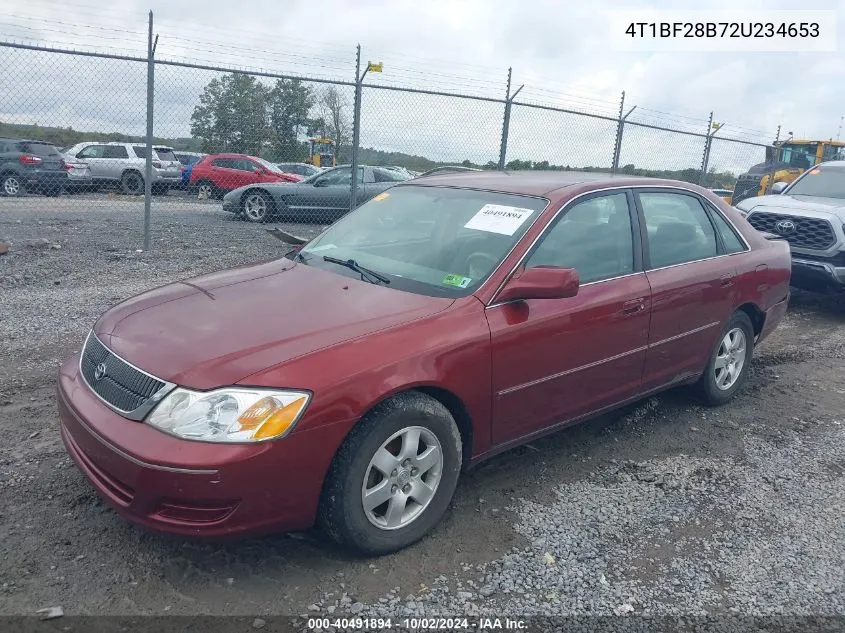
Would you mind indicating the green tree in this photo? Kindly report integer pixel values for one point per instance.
(289, 104)
(231, 115)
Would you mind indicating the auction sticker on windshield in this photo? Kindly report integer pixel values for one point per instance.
(459, 281)
(498, 218)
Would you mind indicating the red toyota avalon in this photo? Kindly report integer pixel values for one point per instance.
(449, 318)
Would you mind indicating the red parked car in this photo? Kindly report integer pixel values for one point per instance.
(351, 382)
(217, 174)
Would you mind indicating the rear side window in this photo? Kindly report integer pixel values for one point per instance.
(679, 230)
(223, 162)
(40, 149)
(729, 237)
(140, 151)
(115, 151)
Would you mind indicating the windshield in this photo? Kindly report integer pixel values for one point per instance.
(823, 182)
(436, 241)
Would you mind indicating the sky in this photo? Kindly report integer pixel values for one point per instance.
(561, 52)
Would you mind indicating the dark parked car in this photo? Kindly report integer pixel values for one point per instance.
(31, 166)
(350, 383)
(303, 169)
(214, 175)
(324, 197)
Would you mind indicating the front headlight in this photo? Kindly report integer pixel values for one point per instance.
(229, 415)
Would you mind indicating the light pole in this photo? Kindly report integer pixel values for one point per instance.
(356, 123)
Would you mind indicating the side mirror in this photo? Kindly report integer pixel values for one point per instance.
(541, 282)
(778, 187)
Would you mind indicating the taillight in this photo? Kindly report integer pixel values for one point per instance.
(65, 165)
(29, 159)
(156, 164)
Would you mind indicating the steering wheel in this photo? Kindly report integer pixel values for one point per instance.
(478, 264)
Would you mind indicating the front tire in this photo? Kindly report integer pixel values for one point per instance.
(394, 476)
(728, 367)
(257, 206)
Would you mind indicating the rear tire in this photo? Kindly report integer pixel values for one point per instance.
(11, 185)
(728, 367)
(132, 183)
(382, 492)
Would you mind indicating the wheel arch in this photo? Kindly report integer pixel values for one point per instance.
(259, 189)
(756, 315)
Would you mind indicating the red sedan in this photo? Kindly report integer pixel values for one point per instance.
(216, 174)
(444, 321)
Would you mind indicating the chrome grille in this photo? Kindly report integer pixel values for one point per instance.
(812, 233)
(122, 386)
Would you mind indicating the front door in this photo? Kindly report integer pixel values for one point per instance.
(558, 359)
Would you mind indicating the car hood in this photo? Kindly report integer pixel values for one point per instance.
(785, 203)
(220, 328)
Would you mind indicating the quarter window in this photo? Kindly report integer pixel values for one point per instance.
(679, 230)
(594, 237)
(729, 237)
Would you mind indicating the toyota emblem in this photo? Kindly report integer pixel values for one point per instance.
(99, 371)
(785, 227)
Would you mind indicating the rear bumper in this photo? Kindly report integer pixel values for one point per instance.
(41, 180)
(817, 275)
(774, 316)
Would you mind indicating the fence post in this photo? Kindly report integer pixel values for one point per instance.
(356, 128)
(620, 127)
(775, 161)
(705, 158)
(148, 176)
(506, 122)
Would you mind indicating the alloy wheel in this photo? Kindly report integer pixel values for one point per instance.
(402, 478)
(205, 192)
(255, 207)
(11, 186)
(730, 359)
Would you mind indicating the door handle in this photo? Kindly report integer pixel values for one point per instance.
(633, 306)
(726, 280)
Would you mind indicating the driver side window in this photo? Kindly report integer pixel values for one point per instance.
(594, 237)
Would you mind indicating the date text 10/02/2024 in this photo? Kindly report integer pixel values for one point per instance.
(417, 624)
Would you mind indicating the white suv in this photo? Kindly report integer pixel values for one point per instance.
(124, 164)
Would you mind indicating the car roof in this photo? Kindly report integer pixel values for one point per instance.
(831, 163)
(25, 140)
(528, 183)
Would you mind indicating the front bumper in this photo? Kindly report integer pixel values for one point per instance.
(813, 274)
(231, 204)
(188, 488)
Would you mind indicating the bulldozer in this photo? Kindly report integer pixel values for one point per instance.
(321, 152)
(785, 161)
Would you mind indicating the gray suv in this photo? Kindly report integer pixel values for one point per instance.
(809, 213)
(124, 165)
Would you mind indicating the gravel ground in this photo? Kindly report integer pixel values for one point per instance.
(664, 508)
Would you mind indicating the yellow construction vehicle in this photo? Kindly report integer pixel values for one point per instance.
(321, 152)
(785, 161)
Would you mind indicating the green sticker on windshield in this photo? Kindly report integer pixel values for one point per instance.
(459, 281)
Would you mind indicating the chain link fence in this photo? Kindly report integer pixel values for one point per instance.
(216, 130)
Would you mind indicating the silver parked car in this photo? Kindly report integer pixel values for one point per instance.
(124, 165)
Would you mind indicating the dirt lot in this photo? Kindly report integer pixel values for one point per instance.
(663, 508)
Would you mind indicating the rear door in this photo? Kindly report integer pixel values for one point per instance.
(693, 283)
(555, 360)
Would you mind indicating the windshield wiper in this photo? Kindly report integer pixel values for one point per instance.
(353, 265)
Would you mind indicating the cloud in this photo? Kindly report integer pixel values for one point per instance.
(560, 51)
